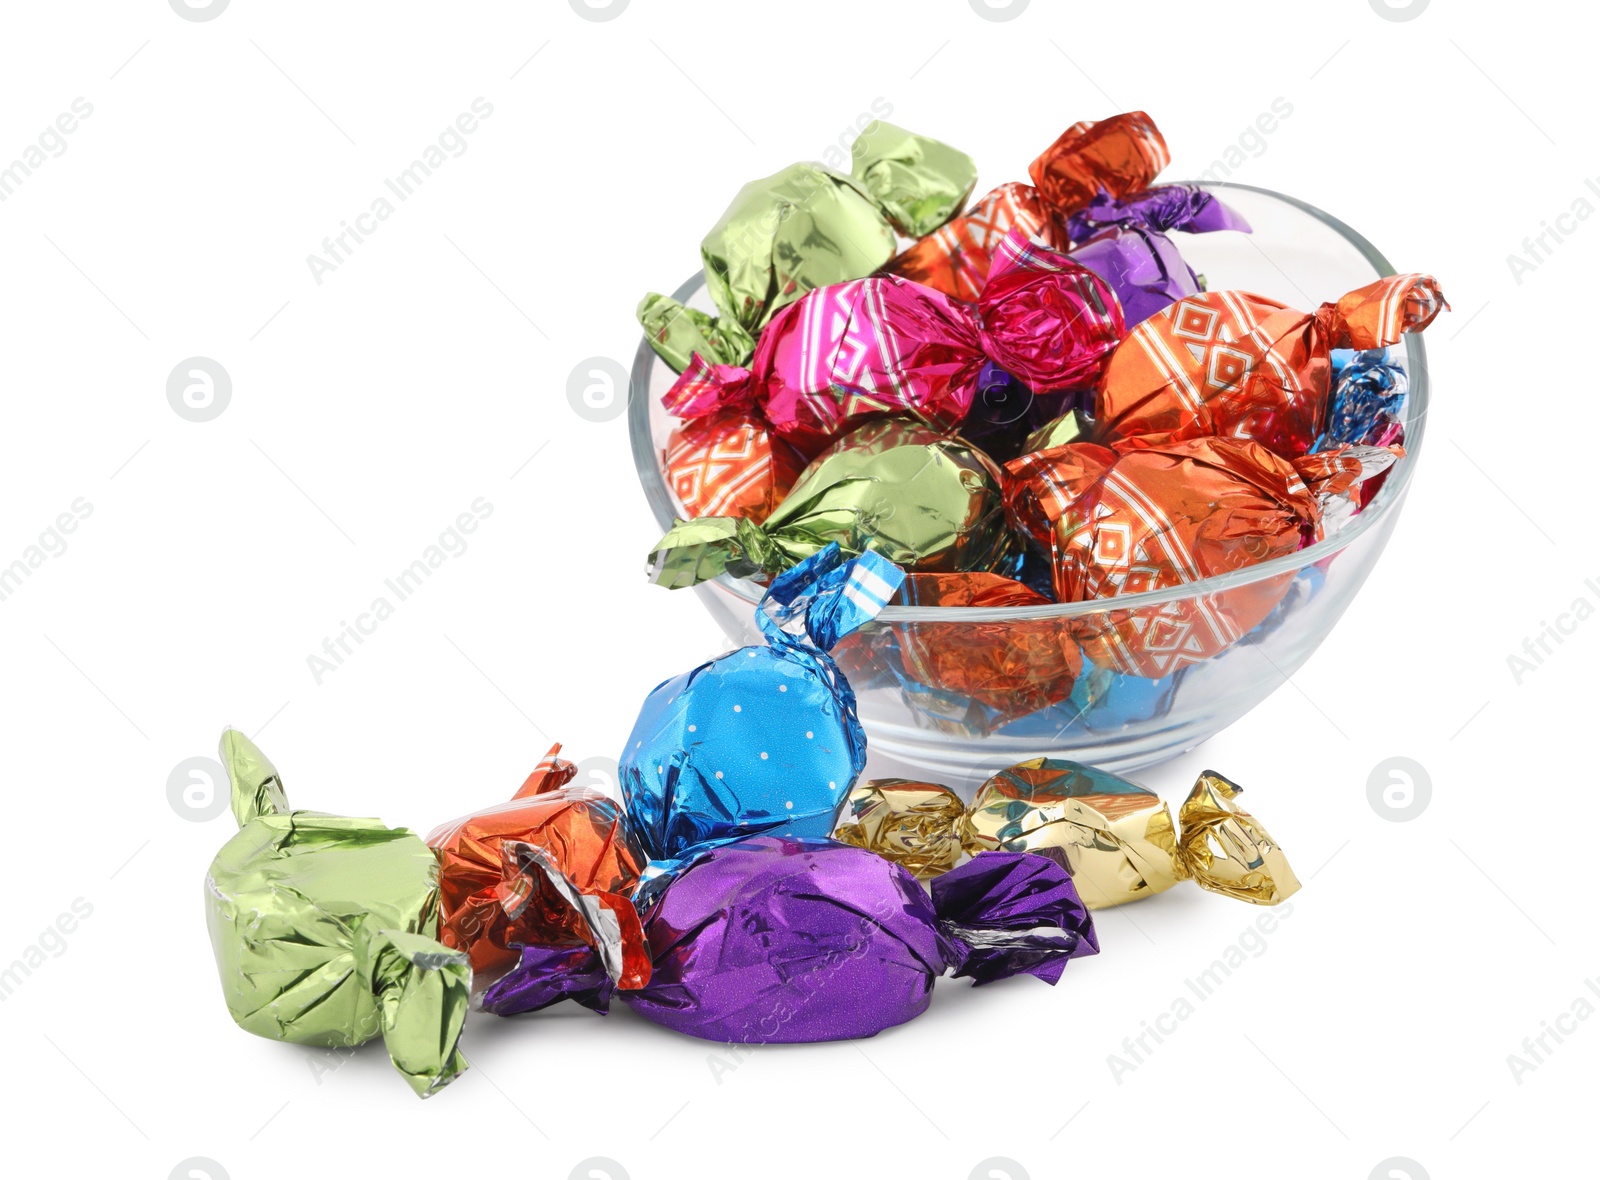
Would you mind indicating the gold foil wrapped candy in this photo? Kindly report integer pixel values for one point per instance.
(916, 825)
(1116, 837)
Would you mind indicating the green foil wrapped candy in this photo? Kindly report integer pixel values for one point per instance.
(919, 182)
(323, 928)
(1069, 427)
(804, 227)
(929, 502)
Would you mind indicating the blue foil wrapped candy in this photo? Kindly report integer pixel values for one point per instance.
(1369, 395)
(765, 739)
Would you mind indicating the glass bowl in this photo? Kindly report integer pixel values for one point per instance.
(923, 722)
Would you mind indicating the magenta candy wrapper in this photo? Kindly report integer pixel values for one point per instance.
(886, 345)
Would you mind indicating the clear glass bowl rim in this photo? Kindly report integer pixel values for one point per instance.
(1387, 501)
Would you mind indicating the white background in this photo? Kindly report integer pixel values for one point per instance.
(369, 410)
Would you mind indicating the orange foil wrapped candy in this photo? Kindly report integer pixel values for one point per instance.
(1120, 156)
(484, 879)
(955, 258)
(1240, 366)
(1013, 668)
(729, 465)
(1163, 516)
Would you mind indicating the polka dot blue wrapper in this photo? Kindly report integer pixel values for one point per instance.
(763, 740)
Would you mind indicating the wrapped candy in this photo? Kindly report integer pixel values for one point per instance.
(1162, 209)
(918, 182)
(1118, 157)
(1162, 516)
(580, 829)
(1011, 668)
(807, 227)
(1369, 396)
(924, 500)
(729, 465)
(1143, 269)
(323, 928)
(954, 260)
(1126, 243)
(1104, 701)
(1058, 432)
(782, 940)
(1004, 412)
(764, 739)
(1115, 836)
(1090, 162)
(884, 345)
(916, 825)
(1241, 366)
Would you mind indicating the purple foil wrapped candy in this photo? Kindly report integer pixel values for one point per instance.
(1005, 412)
(780, 940)
(1165, 207)
(1126, 243)
(1142, 267)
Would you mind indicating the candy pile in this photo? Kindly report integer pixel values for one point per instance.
(1030, 400)
(1034, 400)
(716, 898)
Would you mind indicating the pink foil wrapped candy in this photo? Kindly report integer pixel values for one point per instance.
(885, 345)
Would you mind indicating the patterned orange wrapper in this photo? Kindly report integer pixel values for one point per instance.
(481, 880)
(1241, 366)
(955, 258)
(729, 465)
(1162, 516)
(1014, 668)
(1119, 156)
